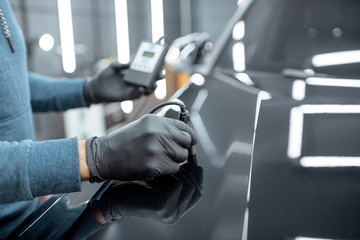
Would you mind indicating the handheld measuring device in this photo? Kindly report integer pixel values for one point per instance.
(146, 66)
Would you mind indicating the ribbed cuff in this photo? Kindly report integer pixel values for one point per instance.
(54, 167)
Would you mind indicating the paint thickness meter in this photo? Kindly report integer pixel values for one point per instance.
(146, 66)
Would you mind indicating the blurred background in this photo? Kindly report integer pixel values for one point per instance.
(75, 38)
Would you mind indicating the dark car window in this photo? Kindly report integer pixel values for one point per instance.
(296, 34)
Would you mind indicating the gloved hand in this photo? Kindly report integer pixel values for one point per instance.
(148, 147)
(108, 86)
(165, 199)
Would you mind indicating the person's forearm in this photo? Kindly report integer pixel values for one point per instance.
(84, 169)
(85, 175)
(56, 94)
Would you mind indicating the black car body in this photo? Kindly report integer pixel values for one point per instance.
(278, 121)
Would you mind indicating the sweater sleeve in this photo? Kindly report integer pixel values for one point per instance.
(55, 94)
(31, 169)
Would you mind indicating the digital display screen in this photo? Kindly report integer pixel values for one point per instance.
(147, 57)
(148, 54)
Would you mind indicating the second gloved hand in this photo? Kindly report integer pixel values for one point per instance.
(165, 199)
(149, 147)
(109, 86)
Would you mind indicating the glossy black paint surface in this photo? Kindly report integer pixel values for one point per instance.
(290, 200)
(229, 124)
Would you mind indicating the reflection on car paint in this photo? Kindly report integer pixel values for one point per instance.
(314, 193)
(330, 161)
(297, 122)
(244, 78)
(298, 90)
(333, 82)
(336, 58)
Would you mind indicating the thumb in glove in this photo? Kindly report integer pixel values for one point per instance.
(108, 86)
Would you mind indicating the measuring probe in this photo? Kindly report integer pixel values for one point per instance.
(184, 117)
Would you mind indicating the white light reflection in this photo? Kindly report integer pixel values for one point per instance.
(297, 122)
(197, 79)
(246, 225)
(330, 109)
(239, 31)
(298, 90)
(309, 71)
(66, 36)
(333, 161)
(157, 19)
(310, 238)
(157, 27)
(176, 108)
(187, 51)
(336, 58)
(244, 78)
(160, 91)
(199, 126)
(127, 106)
(122, 31)
(173, 55)
(295, 132)
(240, 2)
(333, 82)
(263, 95)
(240, 148)
(238, 52)
(46, 42)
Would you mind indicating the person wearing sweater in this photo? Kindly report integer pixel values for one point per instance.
(149, 147)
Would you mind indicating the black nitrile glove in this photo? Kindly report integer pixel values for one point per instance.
(165, 199)
(108, 86)
(149, 147)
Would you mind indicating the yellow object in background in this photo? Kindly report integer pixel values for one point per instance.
(181, 79)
